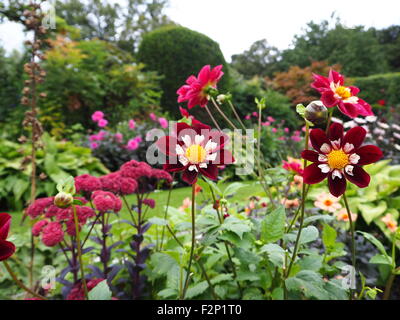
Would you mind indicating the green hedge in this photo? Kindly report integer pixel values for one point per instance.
(377, 87)
(177, 52)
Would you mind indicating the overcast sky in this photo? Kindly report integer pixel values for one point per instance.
(236, 24)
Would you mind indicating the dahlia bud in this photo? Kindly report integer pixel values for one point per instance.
(316, 112)
(63, 200)
(221, 98)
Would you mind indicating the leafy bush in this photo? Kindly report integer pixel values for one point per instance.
(56, 161)
(379, 87)
(176, 52)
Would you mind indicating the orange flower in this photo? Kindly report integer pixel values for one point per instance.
(389, 221)
(327, 202)
(185, 204)
(289, 204)
(343, 216)
(297, 181)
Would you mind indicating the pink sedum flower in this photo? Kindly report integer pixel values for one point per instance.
(335, 93)
(195, 89)
(52, 234)
(97, 116)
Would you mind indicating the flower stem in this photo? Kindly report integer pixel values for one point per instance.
(303, 204)
(222, 113)
(212, 118)
(78, 246)
(388, 288)
(328, 123)
(193, 239)
(166, 212)
(236, 115)
(353, 243)
(20, 284)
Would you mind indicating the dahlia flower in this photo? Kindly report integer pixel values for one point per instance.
(327, 202)
(102, 123)
(132, 124)
(390, 222)
(7, 248)
(339, 157)
(342, 215)
(293, 165)
(97, 116)
(195, 91)
(195, 149)
(335, 93)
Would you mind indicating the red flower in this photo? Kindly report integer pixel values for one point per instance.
(184, 112)
(381, 102)
(195, 89)
(339, 157)
(195, 149)
(7, 248)
(335, 93)
(52, 234)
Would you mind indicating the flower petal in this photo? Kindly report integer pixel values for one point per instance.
(369, 154)
(167, 145)
(310, 155)
(355, 136)
(210, 172)
(312, 174)
(348, 109)
(336, 77)
(328, 99)
(318, 138)
(336, 186)
(7, 249)
(190, 176)
(320, 82)
(335, 132)
(173, 167)
(5, 222)
(360, 177)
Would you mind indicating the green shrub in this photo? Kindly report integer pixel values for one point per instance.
(176, 53)
(381, 86)
(56, 161)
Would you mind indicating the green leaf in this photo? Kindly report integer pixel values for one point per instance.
(375, 242)
(232, 189)
(273, 225)
(329, 237)
(196, 290)
(168, 293)
(381, 259)
(276, 254)
(158, 221)
(313, 263)
(309, 283)
(372, 211)
(100, 292)
(235, 225)
(246, 257)
(301, 110)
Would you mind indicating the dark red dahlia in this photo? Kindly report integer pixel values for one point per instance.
(195, 149)
(7, 248)
(339, 157)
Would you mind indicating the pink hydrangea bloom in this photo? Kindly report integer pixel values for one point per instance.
(102, 123)
(97, 116)
(132, 124)
(163, 123)
(52, 234)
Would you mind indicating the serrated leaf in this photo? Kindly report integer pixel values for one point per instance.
(273, 225)
(100, 292)
(196, 290)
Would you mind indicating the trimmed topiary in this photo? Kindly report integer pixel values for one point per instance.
(176, 52)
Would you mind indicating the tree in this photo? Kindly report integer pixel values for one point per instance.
(389, 39)
(123, 25)
(260, 59)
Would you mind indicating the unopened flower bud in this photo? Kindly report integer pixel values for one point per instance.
(316, 112)
(63, 200)
(221, 98)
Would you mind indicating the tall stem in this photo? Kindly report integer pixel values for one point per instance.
(78, 246)
(212, 118)
(166, 211)
(222, 113)
(303, 204)
(20, 284)
(193, 239)
(353, 243)
(236, 115)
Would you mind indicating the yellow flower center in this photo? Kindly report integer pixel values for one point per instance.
(195, 154)
(343, 92)
(338, 159)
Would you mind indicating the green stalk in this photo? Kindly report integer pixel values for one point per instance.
(353, 243)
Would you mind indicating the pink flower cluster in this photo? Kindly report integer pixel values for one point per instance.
(98, 117)
(134, 143)
(162, 121)
(55, 221)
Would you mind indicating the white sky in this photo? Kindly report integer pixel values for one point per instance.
(236, 24)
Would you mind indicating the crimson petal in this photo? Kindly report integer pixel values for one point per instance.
(348, 109)
(336, 186)
(328, 99)
(7, 249)
(368, 154)
(190, 176)
(210, 172)
(355, 136)
(223, 157)
(312, 174)
(5, 222)
(200, 127)
(167, 145)
(173, 167)
(310, 155)
(318, 138)
(335, 132)
(360, 177)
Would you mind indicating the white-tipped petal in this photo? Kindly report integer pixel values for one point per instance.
(326, 148)
(211, 157)
(349, 170)
(203, 165)
(322, 158)
(324, 168)
(336, 144)
(354, 158)
(187, 140)
(183, 161)
(192, 167)
(336, 173)
(348, 147)
(179, 150)
(210, 145)
(198, 139)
